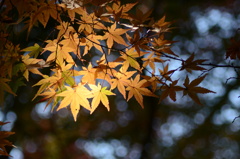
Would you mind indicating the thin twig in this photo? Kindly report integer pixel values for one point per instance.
(235, 118)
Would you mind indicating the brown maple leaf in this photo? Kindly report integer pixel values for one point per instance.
(192, 88)
(191, 64)
(3, 141)
(170, 91)
(233, 51)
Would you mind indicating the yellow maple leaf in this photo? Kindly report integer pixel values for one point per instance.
(72, 40)
(75, 97)
(89, 74)
(47, 82)
(100, 94)
(136, 88)
(59, 53)
(33, 50)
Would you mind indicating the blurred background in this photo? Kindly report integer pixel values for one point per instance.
(168, 130)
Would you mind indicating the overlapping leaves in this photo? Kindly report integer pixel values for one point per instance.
(122, 49)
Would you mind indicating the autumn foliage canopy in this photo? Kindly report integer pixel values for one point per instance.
(96, 49)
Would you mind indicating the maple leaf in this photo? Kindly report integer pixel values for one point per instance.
(64, 29)
(150, 60)
(138, 42)
(56, 80)
(140, 18)
(89, 22)
(100, 94)
(59, 53)
(153, 81)
(119, 11)
(72, 40)
(72, 12)
(129, 59)
(102, 71)
(136, 88)
(114, 34)
(33, 50)
(190, 64)
(233, 51)
(9, 56)
(165, 73)
(49, 95)
(3, 141)
(161, 25)
(47, 82)
(4, 88)
(105, 69)
(42, 12)
(89, 74)
(191, 88)
(161, 45)
(121, 80)
(170, 91)
(75, 97)
(32, 65)
(91, 41)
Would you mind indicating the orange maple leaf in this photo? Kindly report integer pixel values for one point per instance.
(121, 80)
(89, 22)
(91, 41)
(114, 34)
(118, 10)
(136, 88)
(161, 45)
(150, 60)
(64, 29)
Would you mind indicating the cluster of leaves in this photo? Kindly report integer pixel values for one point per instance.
(130, 50)
(3, 141)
